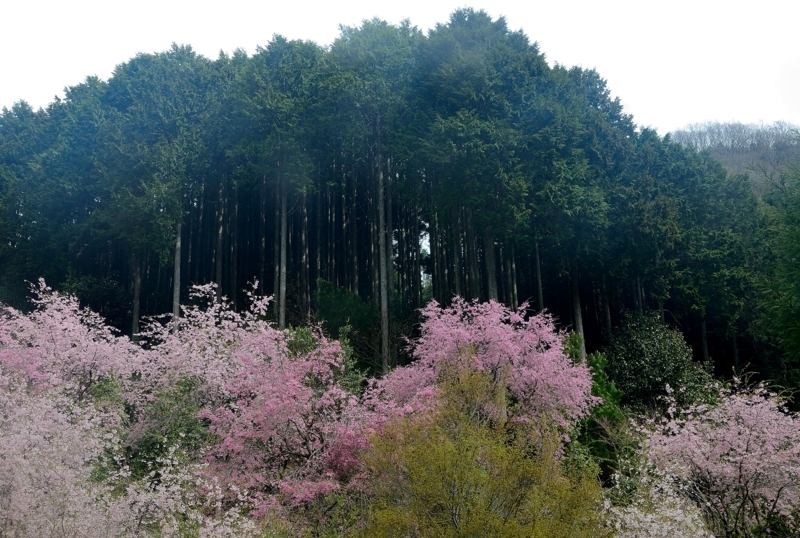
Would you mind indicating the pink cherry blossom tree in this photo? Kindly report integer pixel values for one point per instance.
(60, 344)
(64, 377)
(524, 355)
(739, 459)
(284, 435)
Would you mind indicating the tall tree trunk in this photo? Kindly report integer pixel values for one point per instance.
(577, 315)
(457, 262)
(176, 278)
(189, 248)
(635, 292)
(491, 265)
(474, 273)
(284, 238)
(137, 295)
(233, 231)
(704, 338)
(502, 284)
(347, 278)
(735, 352)
(417, 276)
(199, 266)
(640, 290)
(220, 229)
(538, 266)
(318, 239)
(305, 286)
(262, 236)
(354, 233)
(276, 251)
(514, 291)
(607, 314)
(508, 278)
(389, 233)
(374, 247)
(436, 277)
(336, 246)
(382, 257)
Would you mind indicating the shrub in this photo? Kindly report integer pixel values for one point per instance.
(451, 473)
(171, 419)
(657, 510)
(738, 459)
(646, 356)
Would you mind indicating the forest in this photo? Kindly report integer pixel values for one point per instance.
(410, 284)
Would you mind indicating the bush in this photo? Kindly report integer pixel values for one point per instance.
(453, 472)
(170, 420)
(646, 356)
(600, 431)
(739, 460)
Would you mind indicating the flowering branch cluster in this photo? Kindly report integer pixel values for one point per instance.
(739, 459)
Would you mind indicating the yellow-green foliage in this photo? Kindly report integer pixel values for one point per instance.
(457, 473)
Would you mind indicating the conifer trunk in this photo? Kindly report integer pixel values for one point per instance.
(199, 265)
(475, 291)
(577, 315)
(416, 277)
(304, 263)
(389, 233)
(354, 234)
(137, 295)
(233, 230)
(704, 338)
(538, 264)
(176, 278)
(491, 265)
(220, 229)
(457, 265)
(284, 238)
(276, 251)
(384, 287)
(514, 291)
(262, 236)
(436, 278)
(607, 314)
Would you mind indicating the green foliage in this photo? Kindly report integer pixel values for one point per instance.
(783, 303)
(604, 388)
(451, 474)
(303, 340)
(106, 390)
(170, 420)
(645, 356)
(344, 313)
(352, 378)
(103, 295)
(337, 308)
(573, 344)
(598, 432)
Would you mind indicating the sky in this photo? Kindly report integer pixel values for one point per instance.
(671, 63)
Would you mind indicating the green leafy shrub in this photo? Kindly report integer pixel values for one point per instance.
(450, 473)
(170, 420)
(598, 432)
(645, 356)
(342, 310)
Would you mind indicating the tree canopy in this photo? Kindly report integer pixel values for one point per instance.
(395, 167)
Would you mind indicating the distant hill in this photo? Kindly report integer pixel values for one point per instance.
(760, 150)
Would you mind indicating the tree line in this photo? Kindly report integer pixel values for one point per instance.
(358, 181)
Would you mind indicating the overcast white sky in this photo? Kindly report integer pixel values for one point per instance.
(671, 62)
